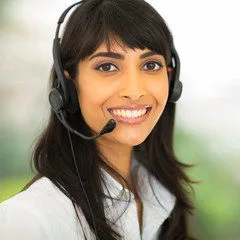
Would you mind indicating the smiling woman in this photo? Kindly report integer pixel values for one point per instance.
(116, 62)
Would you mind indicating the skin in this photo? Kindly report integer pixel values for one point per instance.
(128, 81)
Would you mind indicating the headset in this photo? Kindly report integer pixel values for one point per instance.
(64, 99)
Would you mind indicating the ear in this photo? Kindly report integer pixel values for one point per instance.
(67, 76)
(170, 73)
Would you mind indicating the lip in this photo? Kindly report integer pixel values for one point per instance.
(131, 121)
(131, 107)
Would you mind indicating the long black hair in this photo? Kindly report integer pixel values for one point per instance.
(135, 24)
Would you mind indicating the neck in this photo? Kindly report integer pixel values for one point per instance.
(117, 156)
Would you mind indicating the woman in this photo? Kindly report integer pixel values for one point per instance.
(116, 57)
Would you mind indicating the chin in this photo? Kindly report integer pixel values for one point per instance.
(135, 141)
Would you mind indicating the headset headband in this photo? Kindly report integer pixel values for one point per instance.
(56, 54)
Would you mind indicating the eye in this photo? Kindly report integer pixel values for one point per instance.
(106, 67)
(109, 67)
(153, 66)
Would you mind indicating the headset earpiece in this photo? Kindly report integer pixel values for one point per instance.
(56, 99)
(175, 85)
(175, 92)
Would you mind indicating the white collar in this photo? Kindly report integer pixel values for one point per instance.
(116, 190)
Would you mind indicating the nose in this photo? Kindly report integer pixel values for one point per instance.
(133, 86)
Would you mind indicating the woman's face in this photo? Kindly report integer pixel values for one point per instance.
(126, 79)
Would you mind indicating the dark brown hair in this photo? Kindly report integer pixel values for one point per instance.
(137, 25)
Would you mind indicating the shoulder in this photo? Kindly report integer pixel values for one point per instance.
(37, 212)
(17, 222)
(21, 216)
(41, 195)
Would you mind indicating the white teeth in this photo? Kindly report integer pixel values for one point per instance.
(144, 111)
(118, 112)
(129, 113)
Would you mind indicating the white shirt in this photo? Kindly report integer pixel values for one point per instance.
(43, 212)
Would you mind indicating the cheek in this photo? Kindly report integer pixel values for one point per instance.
(92, 104)
(88, 95)
(89, 101)
(160, 92)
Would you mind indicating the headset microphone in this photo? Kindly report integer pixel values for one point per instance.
(111, 124)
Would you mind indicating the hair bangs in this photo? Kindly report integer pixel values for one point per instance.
(133, 28)
(113, 22)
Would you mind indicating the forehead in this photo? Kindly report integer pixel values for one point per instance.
(118, 47)
(121, 51)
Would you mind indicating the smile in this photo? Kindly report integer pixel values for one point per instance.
(129, 116)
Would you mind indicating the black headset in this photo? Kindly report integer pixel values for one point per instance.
(64, 99)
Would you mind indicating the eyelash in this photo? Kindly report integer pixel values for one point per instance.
(107, 64)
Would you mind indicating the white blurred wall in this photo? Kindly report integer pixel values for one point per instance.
(207, 37)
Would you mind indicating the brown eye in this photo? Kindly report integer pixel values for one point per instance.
(153, 66)
(106, 67)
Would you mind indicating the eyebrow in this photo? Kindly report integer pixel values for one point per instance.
(120, 56)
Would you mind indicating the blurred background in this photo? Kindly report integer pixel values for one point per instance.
(207, 133)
